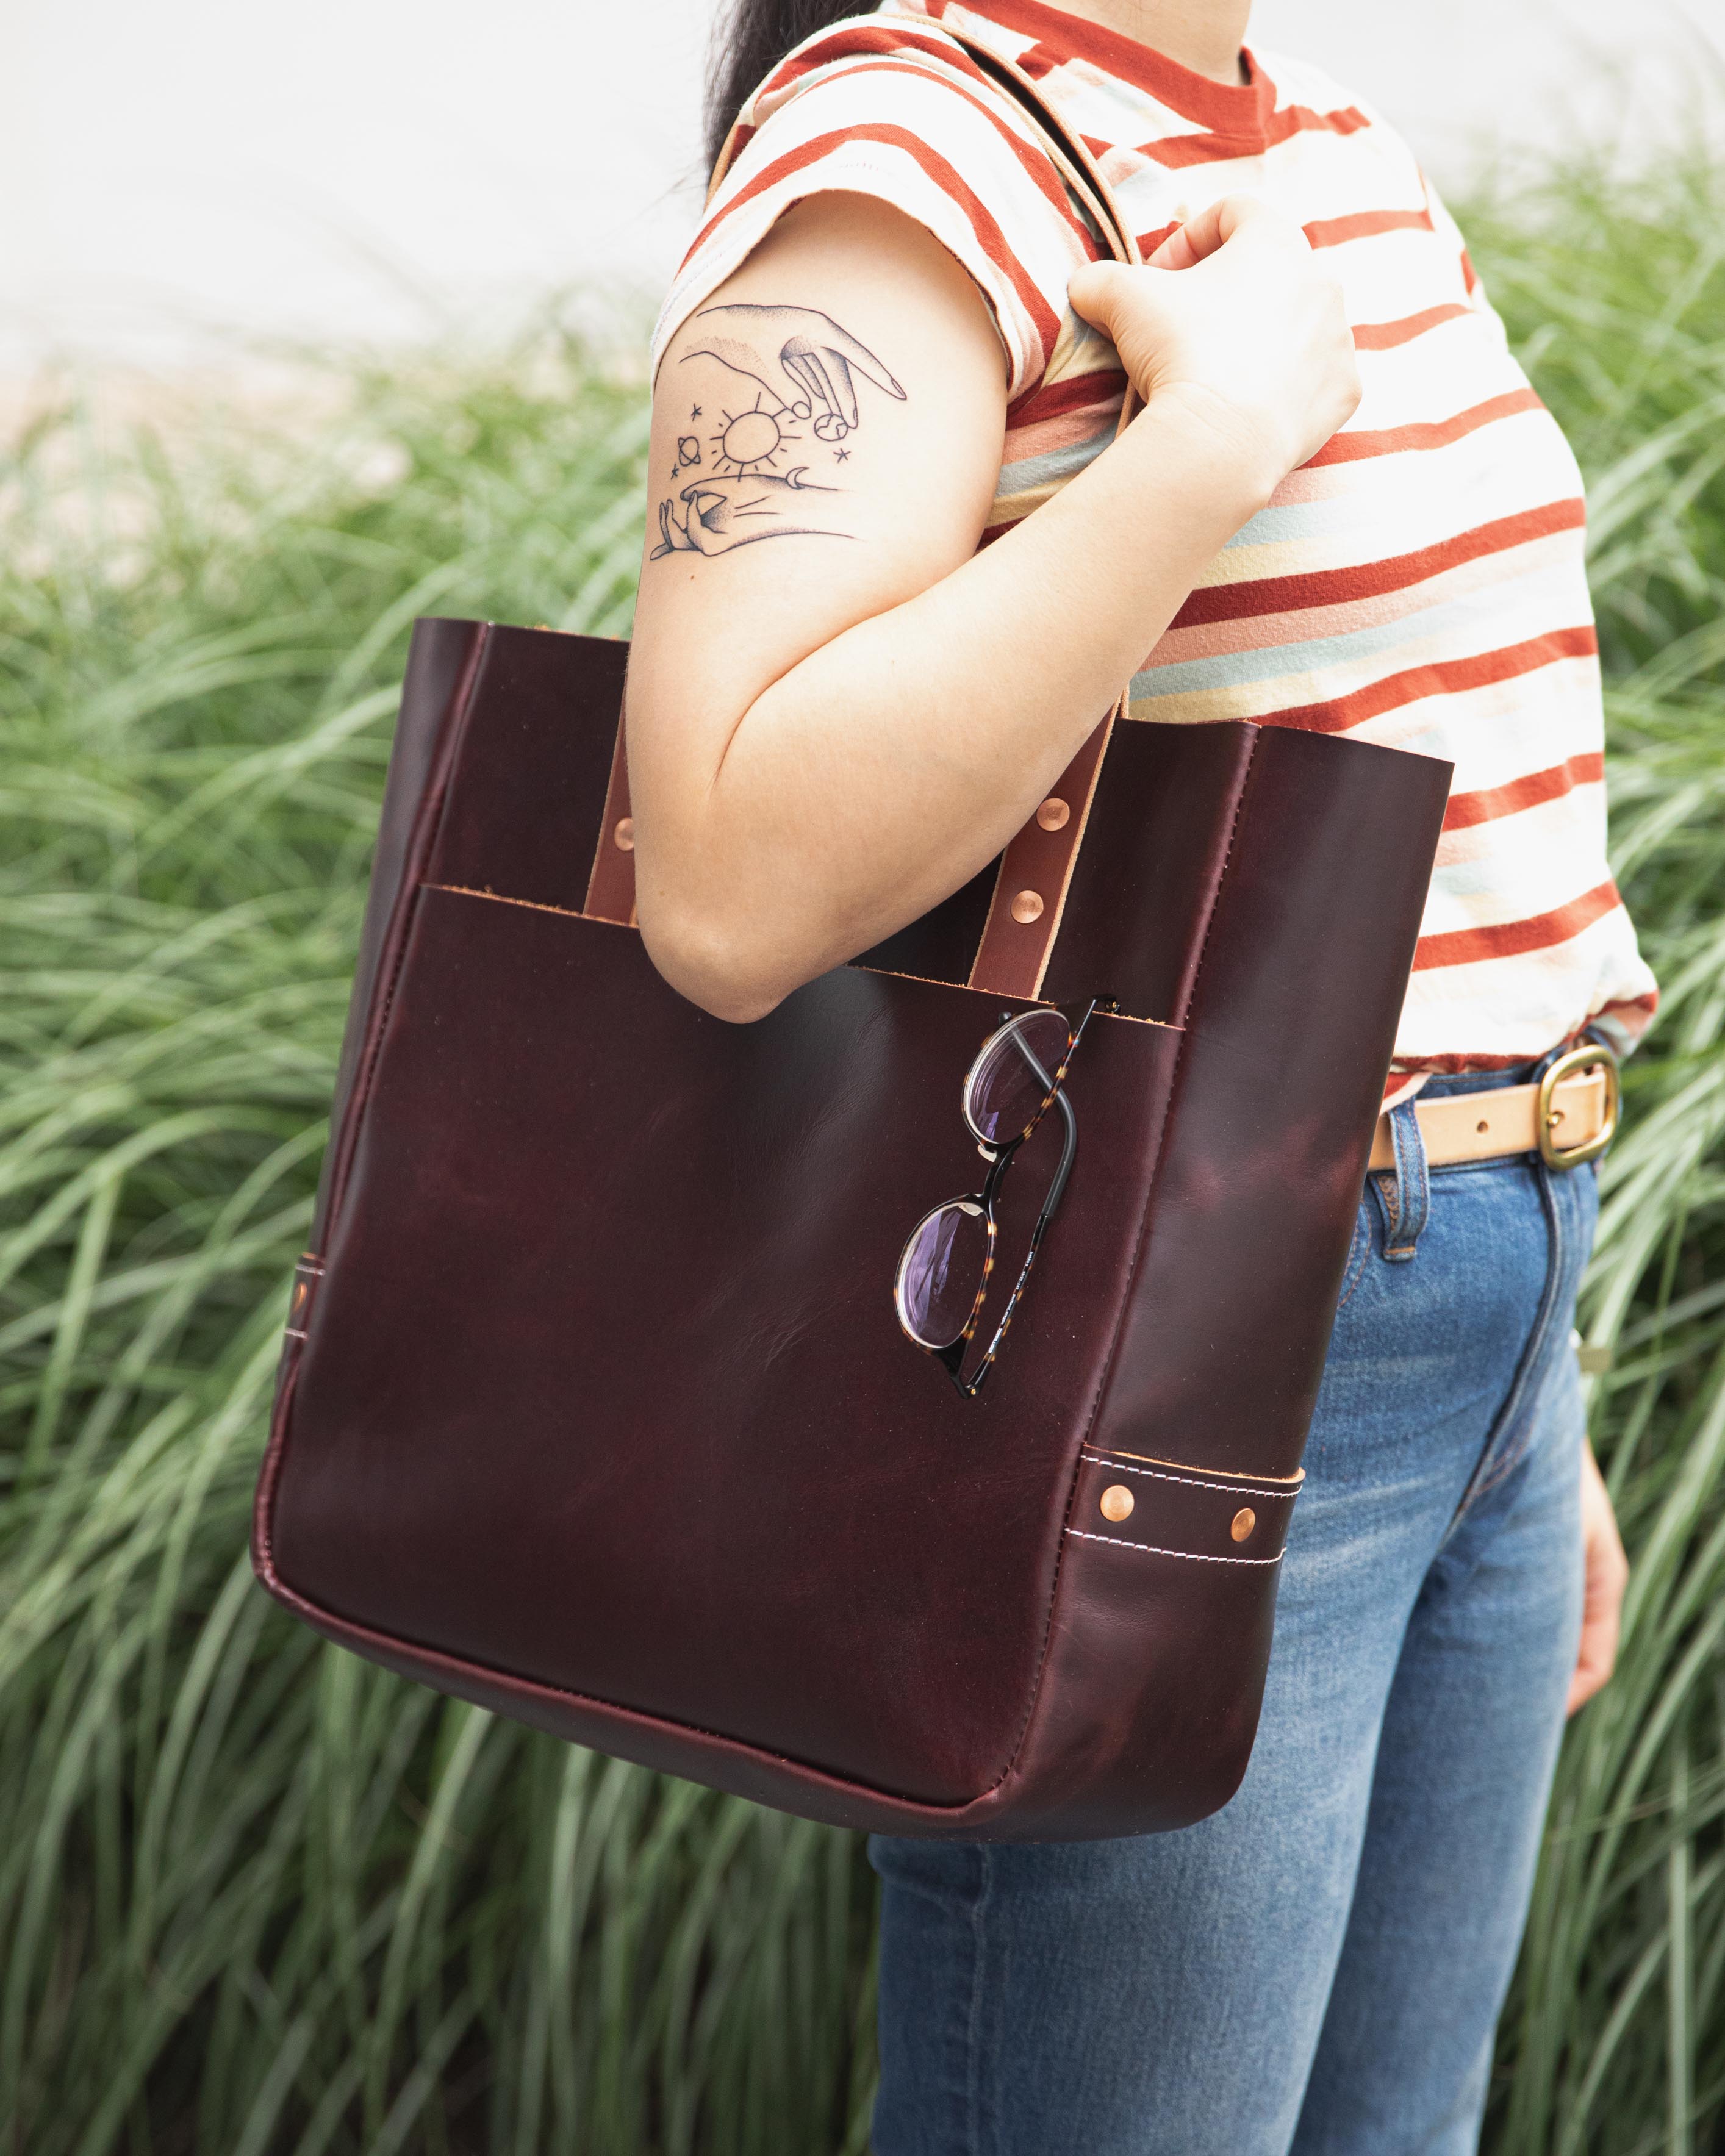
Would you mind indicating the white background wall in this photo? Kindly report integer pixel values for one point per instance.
(172, 171)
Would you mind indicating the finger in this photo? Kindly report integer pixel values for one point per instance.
(833, 391)
(828, 371)
(844, 347)
(1595, 1662)
(1178, 251)
(1097, 290)
(1602, 1599)
(707, 518)
(845, 386)
(807, 377)
(1213, 227)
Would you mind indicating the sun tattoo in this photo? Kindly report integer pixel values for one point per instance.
(804, 369)
(751, 441)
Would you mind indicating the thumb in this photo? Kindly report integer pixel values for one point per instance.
(1098, 292)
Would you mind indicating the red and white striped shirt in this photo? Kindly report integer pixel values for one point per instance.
(1419, 583)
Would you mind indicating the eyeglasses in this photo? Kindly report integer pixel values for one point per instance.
(948, 1258)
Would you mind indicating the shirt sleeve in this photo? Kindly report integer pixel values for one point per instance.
(1446, 228)
(873, 109)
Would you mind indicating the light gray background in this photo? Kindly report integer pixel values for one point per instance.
(177, 173)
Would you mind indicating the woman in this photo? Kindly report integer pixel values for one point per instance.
(893, 340)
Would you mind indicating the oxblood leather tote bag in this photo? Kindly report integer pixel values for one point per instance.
(593, 1406)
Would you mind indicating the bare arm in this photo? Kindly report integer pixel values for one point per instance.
(839, 711)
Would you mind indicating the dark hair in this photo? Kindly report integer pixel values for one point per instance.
(750, 41)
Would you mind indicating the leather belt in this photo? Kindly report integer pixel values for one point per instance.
(1570, 1115)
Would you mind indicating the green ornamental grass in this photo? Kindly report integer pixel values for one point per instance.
(258, 1899)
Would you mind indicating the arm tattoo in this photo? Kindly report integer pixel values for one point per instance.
(804, 368)
(800, 358)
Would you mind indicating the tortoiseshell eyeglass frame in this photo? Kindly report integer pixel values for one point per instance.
(1000, 1157)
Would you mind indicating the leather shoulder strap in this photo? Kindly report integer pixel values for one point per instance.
(1036, 868)
(1035, 871)
(1065, 148)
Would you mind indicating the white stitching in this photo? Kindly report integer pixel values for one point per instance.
(1232, 1489)
(1197, 1556)
(294, 1332)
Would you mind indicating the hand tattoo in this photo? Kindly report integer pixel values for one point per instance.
(720, 513)
(804, 368)
(800, 356)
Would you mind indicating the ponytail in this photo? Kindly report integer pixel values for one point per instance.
(752, 38)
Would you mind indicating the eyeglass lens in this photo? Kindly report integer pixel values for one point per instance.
(941, 1273)
(1010, 1082)
(945, 1260)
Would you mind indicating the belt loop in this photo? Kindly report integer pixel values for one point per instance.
(1405, 1194)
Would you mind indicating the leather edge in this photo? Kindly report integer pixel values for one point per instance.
(649, 1741)
(400, 899)
(611, 884)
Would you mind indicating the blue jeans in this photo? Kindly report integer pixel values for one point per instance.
(1318, 1967)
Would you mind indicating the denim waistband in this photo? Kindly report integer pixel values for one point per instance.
(1481, 1082)
(1403, 1192)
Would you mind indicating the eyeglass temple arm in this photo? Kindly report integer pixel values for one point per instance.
(1069, 1154)
(1069, 1142)
(970, 1386)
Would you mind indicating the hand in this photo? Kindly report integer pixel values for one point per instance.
(801, 357)
(719, 514)
(1607, 1576)
(1232, 317)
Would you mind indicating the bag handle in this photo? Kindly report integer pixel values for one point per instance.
(1035, 873)
(1036, 867)
(1066, 150)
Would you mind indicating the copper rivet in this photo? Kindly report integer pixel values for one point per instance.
(1027, 906)
(623, 837)
(1053, 815)
(1117, 1502)
(1245, 1520)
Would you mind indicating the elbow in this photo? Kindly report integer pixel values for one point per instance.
(732, 997)
(718, 970)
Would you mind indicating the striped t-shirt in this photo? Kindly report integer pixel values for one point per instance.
(1418, 582)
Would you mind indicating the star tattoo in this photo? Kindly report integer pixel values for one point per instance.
(695, 412)
(840, 456)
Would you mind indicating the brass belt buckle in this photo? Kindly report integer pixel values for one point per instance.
(1547, 1115)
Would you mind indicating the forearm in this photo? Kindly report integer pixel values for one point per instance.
(884, 769)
